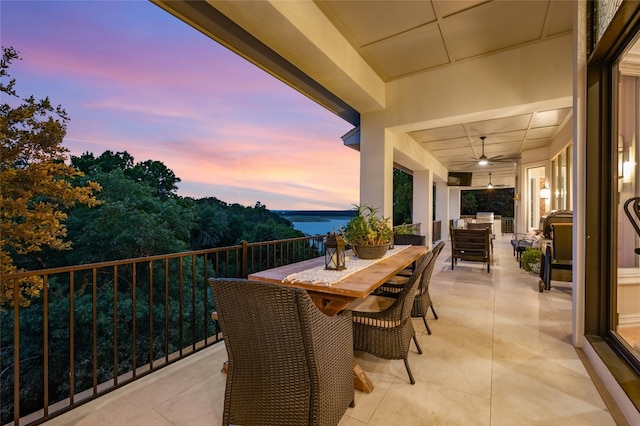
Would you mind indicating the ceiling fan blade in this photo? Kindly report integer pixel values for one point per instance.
(504, 160)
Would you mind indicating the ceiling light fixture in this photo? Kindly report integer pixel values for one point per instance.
(489, 185)
(483, 160)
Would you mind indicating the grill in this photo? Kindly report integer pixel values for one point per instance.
(554, 216)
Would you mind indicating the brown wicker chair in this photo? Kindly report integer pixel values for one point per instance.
(406, 240)
(289, 364)
(409, 239)
(422, 301)
(470, 244)
(382, 326)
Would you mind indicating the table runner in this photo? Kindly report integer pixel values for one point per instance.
(320, 275)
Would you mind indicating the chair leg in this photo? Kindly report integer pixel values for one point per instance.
(406, 364)
(424, 318)
(415, 340)
(434, 311)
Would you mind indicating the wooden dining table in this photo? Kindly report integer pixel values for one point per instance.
(332, 298)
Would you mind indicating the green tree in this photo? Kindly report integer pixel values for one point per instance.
(158, 176)
(151, 172)
(497, 200)
(106, 162)
(402, 197)
(131, 222)
(37, 186)
(468, 203)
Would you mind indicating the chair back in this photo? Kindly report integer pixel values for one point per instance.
(286, 358)
(470, 244)
(409, 239)
(400, 310)
(425, 278)
(480, 225)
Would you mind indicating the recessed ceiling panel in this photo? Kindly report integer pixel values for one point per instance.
(553, 117)
(448, 7)
(447, 144)
(498, 125)
(541, 132)
(494, 26)
(560, 17)
(439, 133)
(375, 20)
(501, 138)
(457, 156)
(534, 143)
(506, 149)
(408, 52)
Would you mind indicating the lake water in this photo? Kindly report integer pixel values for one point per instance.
(320, 228)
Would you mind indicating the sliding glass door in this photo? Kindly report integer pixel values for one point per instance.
(627, 208)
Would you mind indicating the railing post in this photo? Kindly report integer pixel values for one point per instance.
(245, 255)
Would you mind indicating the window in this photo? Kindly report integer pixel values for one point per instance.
(611, 139)
(561, 180)
(538, 196)
(627, 128)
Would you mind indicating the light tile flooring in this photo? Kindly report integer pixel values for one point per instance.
(500, 354)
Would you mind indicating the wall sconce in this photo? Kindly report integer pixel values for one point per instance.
(334, 252)
(545, 193)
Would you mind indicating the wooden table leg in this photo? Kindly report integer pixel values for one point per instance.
(361, 380)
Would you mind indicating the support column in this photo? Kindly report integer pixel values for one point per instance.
(376, 170)
(455, 195)
(423, 202)
(442, 207)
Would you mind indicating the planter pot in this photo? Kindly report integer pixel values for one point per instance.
(370, 251)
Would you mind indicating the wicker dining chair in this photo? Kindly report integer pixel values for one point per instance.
(382, 326)
(289, 364)
(422, 301)
(409, 240)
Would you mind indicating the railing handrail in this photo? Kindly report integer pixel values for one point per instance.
(119, 262)
(170, 286)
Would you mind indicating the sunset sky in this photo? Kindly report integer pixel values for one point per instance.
(132, 77)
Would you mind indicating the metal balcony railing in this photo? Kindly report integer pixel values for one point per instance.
(100, 326)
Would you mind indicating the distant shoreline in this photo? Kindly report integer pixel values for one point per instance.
(315, 215)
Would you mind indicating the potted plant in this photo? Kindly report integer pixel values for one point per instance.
(531, 259)
(368, 234)
(408, 234)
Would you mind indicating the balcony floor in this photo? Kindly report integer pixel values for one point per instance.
(500, 354)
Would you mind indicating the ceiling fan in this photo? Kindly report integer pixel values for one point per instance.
(484, 161)
(490, 185)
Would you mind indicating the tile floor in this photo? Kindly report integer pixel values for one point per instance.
(500, 354)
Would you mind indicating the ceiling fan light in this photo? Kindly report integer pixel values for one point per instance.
(483, 161)
(489, 185)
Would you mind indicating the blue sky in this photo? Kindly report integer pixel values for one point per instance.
(132, 77)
